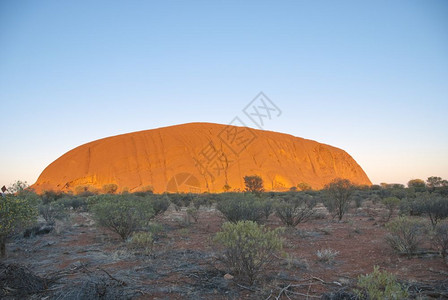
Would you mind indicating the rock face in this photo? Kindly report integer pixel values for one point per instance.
(199, 157)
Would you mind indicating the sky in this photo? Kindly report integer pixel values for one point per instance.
(370, 77)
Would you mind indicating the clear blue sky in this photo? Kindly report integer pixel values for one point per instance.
(370, 77)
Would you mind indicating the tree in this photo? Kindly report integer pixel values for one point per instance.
(433, 182)
(303, 186)
(15, 214)
(254, 184)
(110, 188)
(17, 187)
(339, 192)
(433, 205)
(226, 188)
(417, 184)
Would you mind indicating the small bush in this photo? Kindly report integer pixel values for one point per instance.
(202, 200)
(245, 207)
(405, 234)
(327, 255)
(181, 200)
(52, 211)
(75, 203)
(159, 203)
(391, 203)
(294, 208)
(380, 285)
(156, 230)
(51, 196)
(16, 213)
(192, 213)
(95, 199)
(143, 241)
(268, 207)
(249, 247)
(123, 214)
(440, 240)
(85, 190)
(434, 206)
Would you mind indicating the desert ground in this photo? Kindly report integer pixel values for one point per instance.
(79, 260)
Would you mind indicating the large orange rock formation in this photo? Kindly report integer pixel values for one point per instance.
(199, 157)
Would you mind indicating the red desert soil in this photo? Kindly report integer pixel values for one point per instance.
(184, 265)
(198, 157)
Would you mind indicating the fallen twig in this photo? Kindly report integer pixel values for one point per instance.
(282, 291)
(246, 287)
(121, 282)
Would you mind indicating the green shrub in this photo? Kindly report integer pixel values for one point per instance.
(391, 203)
(434, 206)
(268, 207)
(143, 241)
(123, 214)
(144, 191)
(338, 196)
(75, 203)
(181, 200)
(192, 213)
(249, 247)
(95, 199)
(440, 240)
(294, 208)
(405, 234)
(202, 200)
(241, 207)
(15, 214)
(52, 211)
(160, 203)
(156, 230)
(51, 196)
(380, 285)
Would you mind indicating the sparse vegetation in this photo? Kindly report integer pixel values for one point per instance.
(339, 193)
(160, 203)
(52, 211)
(123, 214)
(251, 253)
(440, 240)
(249, 247)
(405, 234)
(391, 203)
(15, 214)
(246, 207)
(327, 255)
(294, 208)
(142, 241)
(432, 205)
(380, 285)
